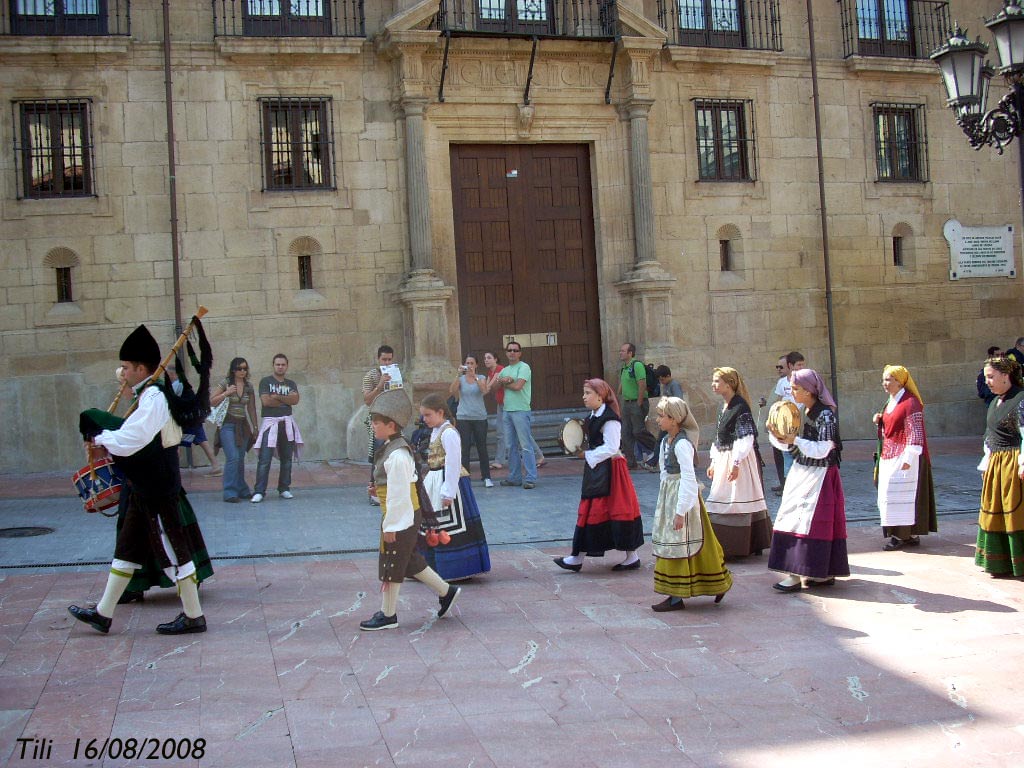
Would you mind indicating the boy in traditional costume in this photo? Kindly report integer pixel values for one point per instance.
(145, 448)
(394, 477)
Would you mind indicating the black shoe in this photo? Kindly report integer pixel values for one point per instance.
(627, 566)
(232, 500)
(446, 600)
(821, 582)
(790, 588)
(528, 486)
(669, 605)
(560, 562)
(913, 541)
(893, 544)
(379, 621)
(182, 625)
(92, 617)
(131, 597)
(507, 483)
(719, 596)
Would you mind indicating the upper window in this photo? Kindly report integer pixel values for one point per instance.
(711, 22)
(54, 148)
(725, 140)
(900, 142)
(297, 143)
(60, 17)
(883, 27)
(305, 18)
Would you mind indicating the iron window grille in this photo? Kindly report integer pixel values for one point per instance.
(725, 140)
(65, 17)
(297, 137)
(901, 142)
(305, 271)
(754, 24)
(579, 19)
(894, 28)
(53, 151)
(288, 18)
(64, 293)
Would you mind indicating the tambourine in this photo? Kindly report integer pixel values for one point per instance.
(783, 419)
(572, 437)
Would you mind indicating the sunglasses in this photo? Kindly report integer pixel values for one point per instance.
(778, 367)
(242, 368)
(517, 351)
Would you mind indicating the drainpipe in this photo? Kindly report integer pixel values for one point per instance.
(822, 206)
(172, 170)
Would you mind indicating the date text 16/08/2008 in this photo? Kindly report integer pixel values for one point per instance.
(148, 748)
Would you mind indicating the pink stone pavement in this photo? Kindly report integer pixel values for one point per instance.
(916, 660)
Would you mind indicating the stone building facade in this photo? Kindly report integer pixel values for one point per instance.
(438, 176)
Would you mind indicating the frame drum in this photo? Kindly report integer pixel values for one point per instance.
(572, 437)
(783, 418)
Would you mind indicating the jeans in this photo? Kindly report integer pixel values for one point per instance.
(517, 430)
(501, 446)
(475, 431)
(284, 456)
(234, 483)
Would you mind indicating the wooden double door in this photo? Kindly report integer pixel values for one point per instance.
(526, 262)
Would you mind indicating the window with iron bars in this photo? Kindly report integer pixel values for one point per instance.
(53, 148)
(900, 142)
(66, 17)
(64, 293)
(725, 140)
(298, 143)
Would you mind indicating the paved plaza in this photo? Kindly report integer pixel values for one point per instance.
(914, 660)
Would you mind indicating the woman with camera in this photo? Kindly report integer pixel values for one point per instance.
(471, 416)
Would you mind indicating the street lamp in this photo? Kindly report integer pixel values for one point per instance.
(967, 77)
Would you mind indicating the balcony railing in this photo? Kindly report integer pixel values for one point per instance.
(580, 19)
(753, 24)
(65, 18)
(908, 29)
(288, 18)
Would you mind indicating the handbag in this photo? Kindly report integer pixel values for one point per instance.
(218, 414)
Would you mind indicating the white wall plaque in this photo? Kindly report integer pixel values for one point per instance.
(979, 251)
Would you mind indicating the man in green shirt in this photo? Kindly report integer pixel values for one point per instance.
(632, 394)
(516, 378)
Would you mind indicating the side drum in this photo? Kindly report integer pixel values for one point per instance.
(99, 485)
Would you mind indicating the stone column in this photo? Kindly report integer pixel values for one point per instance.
(423, 295)
(640, 176)
(417, 193)
(646, 286)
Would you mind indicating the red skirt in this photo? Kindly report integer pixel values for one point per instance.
(612, 521)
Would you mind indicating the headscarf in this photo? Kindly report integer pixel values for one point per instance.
(811, 381)
(732, 377)
(603, 390)
(902, 375)
(677, 410)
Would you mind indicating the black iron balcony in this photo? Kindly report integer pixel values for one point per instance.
(577, 19)
(65, 18)
(288, 18)
(907, 29)
(753, 24)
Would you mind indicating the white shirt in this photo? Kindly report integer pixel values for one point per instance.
(452, 443)
(784, 389)
(612, 433)
(401, 472)
(688, 488)
(151, 417)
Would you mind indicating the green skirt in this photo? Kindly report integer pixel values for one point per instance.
(702, 574)
(150, 574)
(1000, 553)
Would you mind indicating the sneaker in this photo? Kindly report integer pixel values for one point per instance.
(528, 486)
(256, 498)
(507, 483)
(379, 621)
(445, 602)
(287, 495)
(488, 483)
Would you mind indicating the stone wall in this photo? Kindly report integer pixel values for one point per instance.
(239, 244)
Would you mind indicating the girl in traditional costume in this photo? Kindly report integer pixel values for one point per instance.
(394, 483)
(1000, 549)
(688, 558)
(906, 497)
(736, 502)
(810, 529)
(451, 495)
(608, 516)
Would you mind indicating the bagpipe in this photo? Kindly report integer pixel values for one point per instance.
(100, 483)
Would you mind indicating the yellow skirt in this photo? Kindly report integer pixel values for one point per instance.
(1002, 497)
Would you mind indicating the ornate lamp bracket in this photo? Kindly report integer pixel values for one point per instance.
(997, 127)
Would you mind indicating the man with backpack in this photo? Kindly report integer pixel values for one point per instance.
(634, 403)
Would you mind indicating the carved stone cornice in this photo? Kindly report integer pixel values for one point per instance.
(646, 277)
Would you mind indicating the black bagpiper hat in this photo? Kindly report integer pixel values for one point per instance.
(140, 347)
